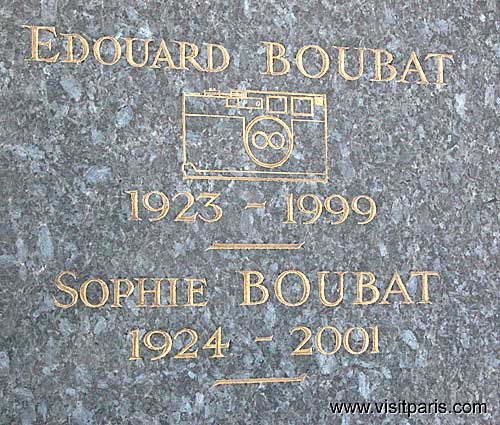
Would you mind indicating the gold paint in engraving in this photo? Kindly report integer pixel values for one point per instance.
(192, 290)
(70, 50)
(263, 338)
(219, 245)
(325, 61)
(365, 285)
(413, 65)
(264, 380)
(117, 50)
(250, 141)
(187, 56)
(36, 43)
(277, 63)
(271, 56)
(255, 205)
(183, 55)
(266, 133)
(342, 70)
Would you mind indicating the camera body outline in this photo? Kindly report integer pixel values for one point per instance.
(254, 109)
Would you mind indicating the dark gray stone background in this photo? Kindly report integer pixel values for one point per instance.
(74, 138)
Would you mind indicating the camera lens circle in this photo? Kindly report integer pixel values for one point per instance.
(268, 141)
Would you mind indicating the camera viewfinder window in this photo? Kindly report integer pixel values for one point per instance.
(250, 103)
(276, 104)
(232, 102)
(302, 106)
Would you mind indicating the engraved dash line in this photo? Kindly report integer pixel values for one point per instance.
(255, 205)
(263, 338)
(218, 245)
(264, 380)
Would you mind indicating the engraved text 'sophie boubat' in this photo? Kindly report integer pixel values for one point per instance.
(255, 135)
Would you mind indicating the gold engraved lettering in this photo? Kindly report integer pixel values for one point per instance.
(342, 70)
(129, 52)
(116, 47)
(425, 284)
(248, 285)
(325, 61)
(361, 286)
(67, 289)
(306, 288)
(440, 57)
(104, 293)
(189, 57)
(70, 53)
(271, 56)
(413, 60)
(380, 64)
(321, 287)
(163, 50)
(156, 292)
(210, 57)
(396, 280)
(117, 294)
(193, 290)
(36, 43)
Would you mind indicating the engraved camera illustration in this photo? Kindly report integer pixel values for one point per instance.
(254, 135)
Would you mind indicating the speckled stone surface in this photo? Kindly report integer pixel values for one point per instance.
(74, 138)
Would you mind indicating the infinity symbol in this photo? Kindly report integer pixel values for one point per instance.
(268, 140)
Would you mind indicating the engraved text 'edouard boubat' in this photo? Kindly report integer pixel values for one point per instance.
(427, 68)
